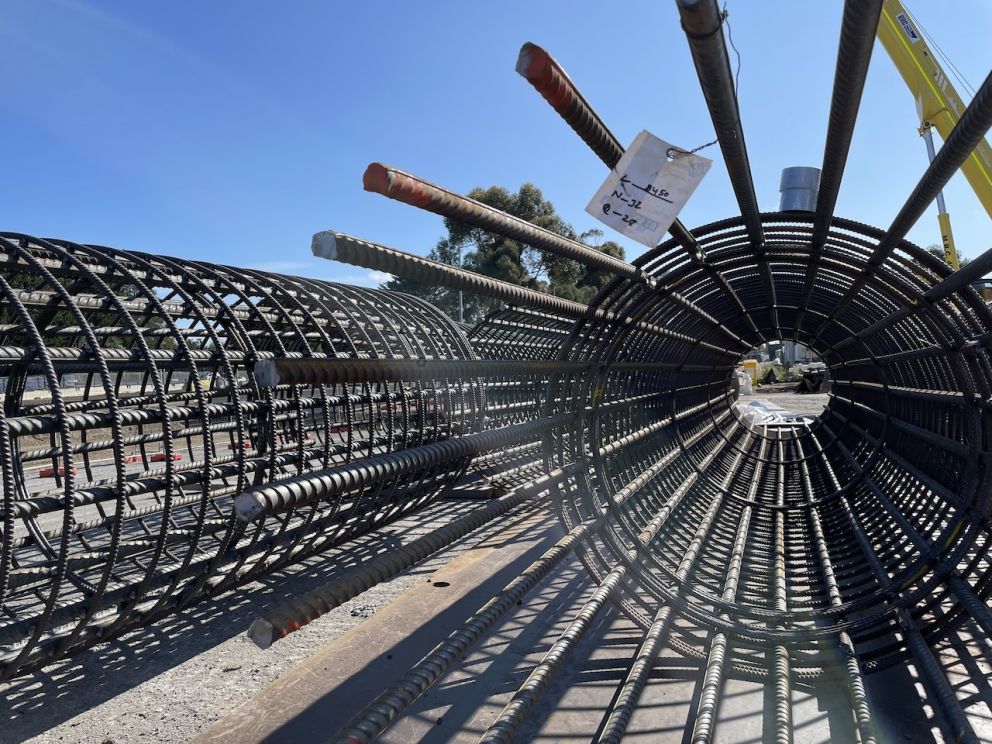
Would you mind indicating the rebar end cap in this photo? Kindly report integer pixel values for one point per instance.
(325, 245)
(262, 632)
(248, 506)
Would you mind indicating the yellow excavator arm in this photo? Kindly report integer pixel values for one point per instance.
(938, 104)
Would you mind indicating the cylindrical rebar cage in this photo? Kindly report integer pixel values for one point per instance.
(869, 520)
(131, 418)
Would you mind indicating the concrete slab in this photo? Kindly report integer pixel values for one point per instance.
(170, 681)
(321, 694)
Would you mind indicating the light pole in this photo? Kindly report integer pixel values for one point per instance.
(461, 297)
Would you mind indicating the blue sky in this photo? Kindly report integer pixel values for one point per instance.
(232, 131)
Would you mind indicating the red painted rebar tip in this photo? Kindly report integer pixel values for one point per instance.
(547, 77)
(376, 178)
(398, 185)
(533, 62)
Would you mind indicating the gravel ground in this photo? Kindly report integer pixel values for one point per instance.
(781, 395)
(169, 682)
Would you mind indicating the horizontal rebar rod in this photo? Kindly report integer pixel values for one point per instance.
(347, 249)
(293, 615)
(302, 490)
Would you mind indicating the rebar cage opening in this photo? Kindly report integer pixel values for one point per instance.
(819, 522)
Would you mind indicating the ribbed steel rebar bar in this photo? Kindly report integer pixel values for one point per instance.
(702, 22)
(548, 77)
(417, 192)
(293, 615)
(857, 38)
(972, 126)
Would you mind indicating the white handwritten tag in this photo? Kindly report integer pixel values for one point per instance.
(646, 191)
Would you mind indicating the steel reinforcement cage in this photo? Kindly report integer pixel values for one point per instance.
(132, 417)
(171, 429)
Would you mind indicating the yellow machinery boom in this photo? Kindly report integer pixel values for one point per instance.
(938, 105)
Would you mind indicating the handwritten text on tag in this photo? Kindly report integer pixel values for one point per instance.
(646, 191)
